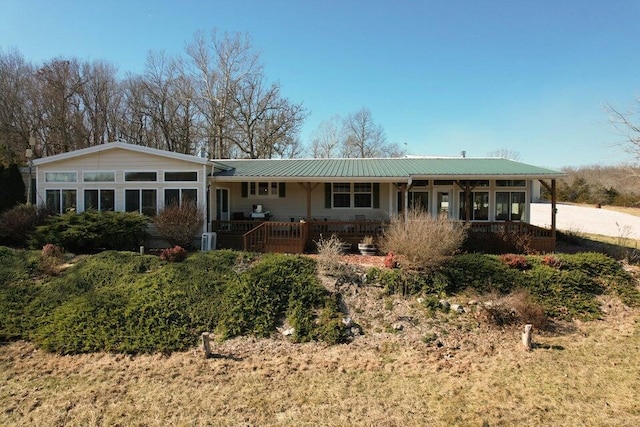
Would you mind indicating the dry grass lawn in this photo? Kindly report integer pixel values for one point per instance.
(443, 369)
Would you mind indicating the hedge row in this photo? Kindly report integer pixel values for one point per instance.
(124, 302)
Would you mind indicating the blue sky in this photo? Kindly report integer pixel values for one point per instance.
(440, 76)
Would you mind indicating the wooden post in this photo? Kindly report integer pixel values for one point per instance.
(206, 345)
(526, 336)
(141, 250)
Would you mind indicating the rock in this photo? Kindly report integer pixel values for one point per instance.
(397, 326)
(355, 331)
(445, 304)
(420, 300)
(288, 331)
(473, 302)
(457, 307)
(348, 322)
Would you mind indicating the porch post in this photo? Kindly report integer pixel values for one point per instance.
(309, 188)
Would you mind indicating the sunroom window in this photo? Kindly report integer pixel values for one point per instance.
(510, 205)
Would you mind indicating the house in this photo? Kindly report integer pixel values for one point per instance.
(284, 204)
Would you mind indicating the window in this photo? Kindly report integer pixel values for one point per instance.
(341, 195)
(476, 183)
(479, 206)
(141, 176)
(510, 205)
(180, 195)
(511, 183)
(181, 176)
(99, 200)
(264, 188)
(60, 201)
(142, 201)
(99, 176)
(61, 177)
(362, 195)
(415, 200)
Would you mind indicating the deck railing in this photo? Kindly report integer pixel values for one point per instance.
(297, 237)
(273, 236)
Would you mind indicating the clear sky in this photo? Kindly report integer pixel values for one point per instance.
(439, 76)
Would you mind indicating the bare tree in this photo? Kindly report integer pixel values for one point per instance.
(363, 138)
(219, 66)
(505, 153)
(168, 101)
(264, 124)
(134, 125)
(327, 138)
(627, 124)
(101, 96)
(16, 106)
(59, 106)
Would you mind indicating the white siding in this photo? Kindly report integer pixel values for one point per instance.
(120, 161)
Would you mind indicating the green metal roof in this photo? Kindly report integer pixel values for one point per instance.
(384, 169)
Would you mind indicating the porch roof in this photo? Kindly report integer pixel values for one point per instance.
(389, 169)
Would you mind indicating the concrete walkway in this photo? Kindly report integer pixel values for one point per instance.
(581, 219)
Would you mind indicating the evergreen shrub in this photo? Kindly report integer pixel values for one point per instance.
(93, 231)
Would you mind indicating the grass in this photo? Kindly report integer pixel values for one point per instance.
(587, 377)
(442, 368)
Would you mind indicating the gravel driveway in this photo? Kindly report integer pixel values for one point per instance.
(581, 219)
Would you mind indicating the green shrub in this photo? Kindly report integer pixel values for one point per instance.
(11, 187)
(330, 327)
(17, 290)
(91, 231)
(257, 299)
(180, 224)
(482, 273)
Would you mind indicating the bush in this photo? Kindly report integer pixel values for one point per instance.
(398, 281)
(179, 224)
(92, 231)
(515, 261)
(11, 187)
(50, 257)
(329, 252)
(175, 254)
(279, 286)
(423, 242)
(515, 308)
(482, 273)
(17, 224)
(17, 289)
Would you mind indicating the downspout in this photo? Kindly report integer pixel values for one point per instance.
(205, 227)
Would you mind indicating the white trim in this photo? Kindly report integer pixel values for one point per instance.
(123, 145)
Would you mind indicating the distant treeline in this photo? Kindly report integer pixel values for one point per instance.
(604, 185)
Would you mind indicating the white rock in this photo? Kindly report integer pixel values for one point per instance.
(457, 307)
(348, 322)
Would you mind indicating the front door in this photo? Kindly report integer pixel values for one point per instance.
(222, 204)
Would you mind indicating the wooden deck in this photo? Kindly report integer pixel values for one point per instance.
(300, 237)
